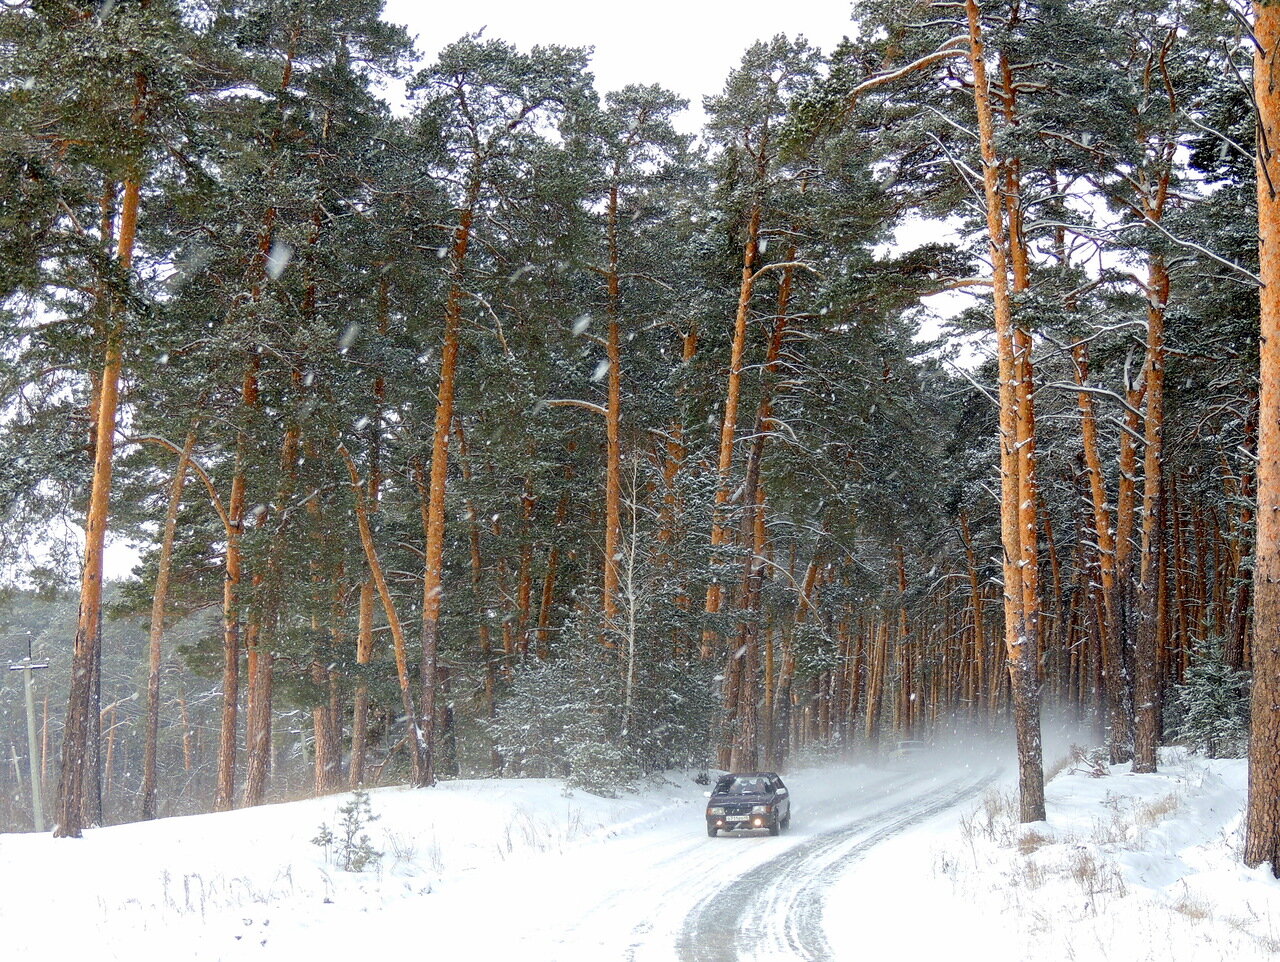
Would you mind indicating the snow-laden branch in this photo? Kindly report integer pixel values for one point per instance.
(1100, 392)
(575, 403)
(945, 51)
(1085, 230)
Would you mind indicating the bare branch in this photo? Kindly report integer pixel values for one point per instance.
(785, 264)
(195, 466)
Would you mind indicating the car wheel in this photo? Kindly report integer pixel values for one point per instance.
(786, 822)
(773, 827)
(711, 831)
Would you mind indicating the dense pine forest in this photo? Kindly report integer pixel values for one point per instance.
(473, 420)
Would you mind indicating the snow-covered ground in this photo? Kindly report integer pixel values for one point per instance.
(1132, 867)
(903, 861)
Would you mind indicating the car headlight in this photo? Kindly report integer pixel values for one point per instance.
(715, 811)
(761, 809)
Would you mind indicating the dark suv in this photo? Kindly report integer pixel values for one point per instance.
(748, 800)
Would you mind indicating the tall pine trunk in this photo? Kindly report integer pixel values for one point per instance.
(1146, 660)
(1262, 815)
(158, 599)
(433, 509)
(613, 420)
(733, 392)
(1019, 622)
(86, 653)
(231, 642)
(412, 741)
(260, 638)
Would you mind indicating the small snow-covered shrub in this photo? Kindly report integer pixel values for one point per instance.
(349, 847)
(1096, 875)
(599, 767)
(1090, 761)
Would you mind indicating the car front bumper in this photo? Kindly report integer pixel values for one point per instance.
(732, 823)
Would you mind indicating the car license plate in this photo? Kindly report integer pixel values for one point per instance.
(736, 818)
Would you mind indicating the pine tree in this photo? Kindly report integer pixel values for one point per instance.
(1212, 705)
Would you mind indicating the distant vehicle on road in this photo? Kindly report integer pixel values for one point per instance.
(907, 750)
(748, 800)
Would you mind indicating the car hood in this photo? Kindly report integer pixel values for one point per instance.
(739, 797)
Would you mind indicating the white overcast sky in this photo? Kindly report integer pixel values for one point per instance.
(688, 46)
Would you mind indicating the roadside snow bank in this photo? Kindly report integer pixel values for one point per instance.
(217, 886)
(1127, 866)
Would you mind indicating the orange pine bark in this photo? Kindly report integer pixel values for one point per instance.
(1146, 667)
(1262, 813)
(733, 392)
(1019, 621)
(389, 610)
(433, 509)
(85, 652)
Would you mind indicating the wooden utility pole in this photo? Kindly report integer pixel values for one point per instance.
(27, 666)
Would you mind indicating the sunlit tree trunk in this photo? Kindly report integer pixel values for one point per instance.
(733, 392)
(1019, 622)
(746, 734)
(85, 653)
(1262, 814)
(1146, 660)
(433, 509)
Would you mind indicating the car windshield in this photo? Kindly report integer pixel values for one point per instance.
(741, 786)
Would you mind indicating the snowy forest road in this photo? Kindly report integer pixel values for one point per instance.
(665, 891)
(776, 909)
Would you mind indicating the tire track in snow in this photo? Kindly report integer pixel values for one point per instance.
(705, 867)
(775, 909)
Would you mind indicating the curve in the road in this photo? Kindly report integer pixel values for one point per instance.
(775, 909)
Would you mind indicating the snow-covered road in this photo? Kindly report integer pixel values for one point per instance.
(665, 891)
(776, 910)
